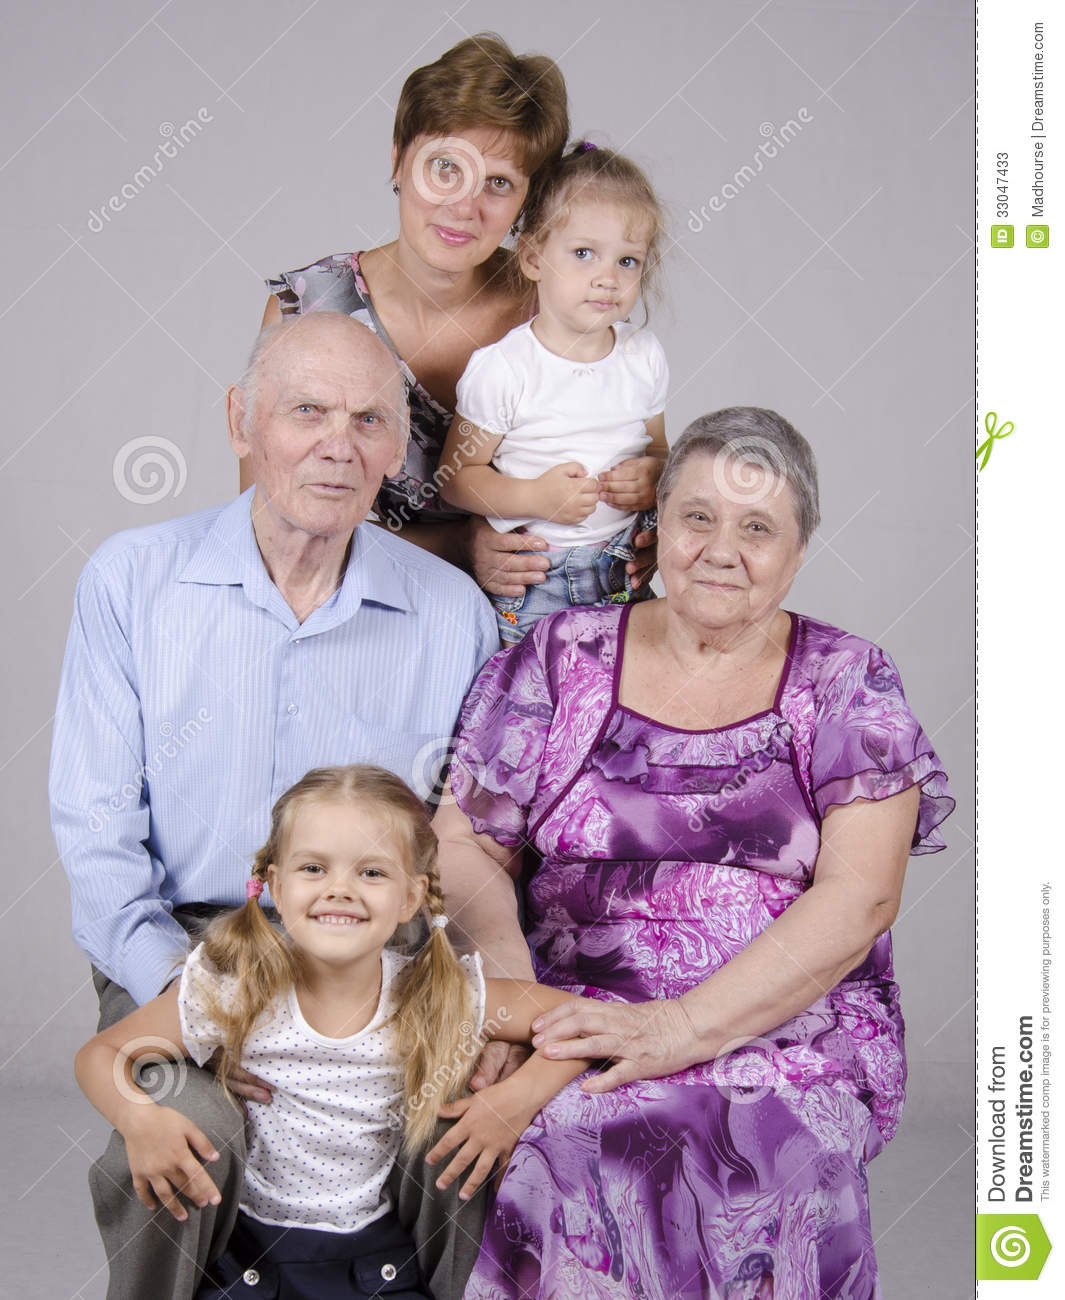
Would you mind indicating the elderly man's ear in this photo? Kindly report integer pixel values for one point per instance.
(238, 435)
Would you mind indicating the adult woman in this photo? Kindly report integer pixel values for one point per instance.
(724, 796)
(473, 135)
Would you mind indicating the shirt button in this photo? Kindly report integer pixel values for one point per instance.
(293, 709)
(251, 1276)
(388, 1272)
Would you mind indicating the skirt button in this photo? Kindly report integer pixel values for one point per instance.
(388, 1272)
(251, 1276)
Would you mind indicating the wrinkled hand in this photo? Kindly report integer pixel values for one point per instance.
(569, 495)
(645, 1040)
(162, 1147)
(642, 569)
(242, 1083)
(497, 1062)
(631, 484)
(487, 1131)
(502, 563)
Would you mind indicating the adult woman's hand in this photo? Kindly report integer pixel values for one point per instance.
(500, 562)
(645, 1040)
(642, 569)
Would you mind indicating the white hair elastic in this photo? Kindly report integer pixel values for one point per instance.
(439, 922)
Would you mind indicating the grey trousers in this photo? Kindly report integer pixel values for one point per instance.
(153, 1257)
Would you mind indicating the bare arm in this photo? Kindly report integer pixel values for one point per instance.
(563, 493)
(490, 1124)
(631, 484)
(478, 876)
(162, 1145)
(805, 952)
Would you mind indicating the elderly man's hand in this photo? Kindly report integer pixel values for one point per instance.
(501, 562)
(645, 1040)
(498, 1062)
(242, 1083)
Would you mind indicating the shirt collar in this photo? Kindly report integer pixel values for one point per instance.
(229, 556)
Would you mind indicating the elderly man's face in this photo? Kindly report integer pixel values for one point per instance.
(329, 423)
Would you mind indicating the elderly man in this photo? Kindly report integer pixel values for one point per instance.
(212, 660)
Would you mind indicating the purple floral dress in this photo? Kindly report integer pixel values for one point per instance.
(664, 852)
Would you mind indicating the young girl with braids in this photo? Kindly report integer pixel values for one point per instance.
(560, 427)
(362, 1046)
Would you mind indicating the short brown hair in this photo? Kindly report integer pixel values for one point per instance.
(482, 82)
(593, 174)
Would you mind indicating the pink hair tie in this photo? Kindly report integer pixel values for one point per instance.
(253, 888)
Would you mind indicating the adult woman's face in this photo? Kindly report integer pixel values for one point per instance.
(459, 196)
(728, 542)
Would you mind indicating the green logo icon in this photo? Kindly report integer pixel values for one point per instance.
(1010, 1247)
(1001, 236)
(1036, 236)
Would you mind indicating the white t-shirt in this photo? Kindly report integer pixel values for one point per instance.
(320, 1153)
(550, 410)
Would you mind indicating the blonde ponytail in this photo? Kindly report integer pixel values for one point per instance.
(435, 1029)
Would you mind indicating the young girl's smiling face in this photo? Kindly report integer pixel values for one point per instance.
(588, 269)
(342, 885)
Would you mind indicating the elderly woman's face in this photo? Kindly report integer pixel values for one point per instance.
(728, 542)
(459, 195)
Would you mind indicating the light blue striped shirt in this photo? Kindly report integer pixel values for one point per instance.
(191, 698)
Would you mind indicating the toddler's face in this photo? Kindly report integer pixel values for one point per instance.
(588, 269)
(342, 884)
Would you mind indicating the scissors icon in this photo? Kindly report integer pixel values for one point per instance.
(994, 431)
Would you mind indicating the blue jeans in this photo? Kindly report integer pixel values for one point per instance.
(581, 575)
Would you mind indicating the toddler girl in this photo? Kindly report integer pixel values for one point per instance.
(560, 427)
(359, 1043)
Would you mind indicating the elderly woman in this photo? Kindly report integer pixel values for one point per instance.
(722, 796)
(474, 133)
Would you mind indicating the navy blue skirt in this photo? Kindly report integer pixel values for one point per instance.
(264, 1262)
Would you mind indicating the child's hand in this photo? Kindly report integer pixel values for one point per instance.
(487, 1131)
(161, 1148)
(631, 484)
(568, 495)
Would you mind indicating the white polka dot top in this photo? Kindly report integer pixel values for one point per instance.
(320, 1153)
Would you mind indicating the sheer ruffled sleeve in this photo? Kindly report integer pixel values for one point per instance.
(495, 769)
(201, 985)
(867, 744)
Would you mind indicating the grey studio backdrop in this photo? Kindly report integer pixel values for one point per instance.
(816, 162)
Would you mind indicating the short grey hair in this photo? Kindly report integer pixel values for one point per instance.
(270, 335)
(752, 435)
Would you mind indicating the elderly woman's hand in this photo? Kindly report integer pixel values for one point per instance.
(645, 1040)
